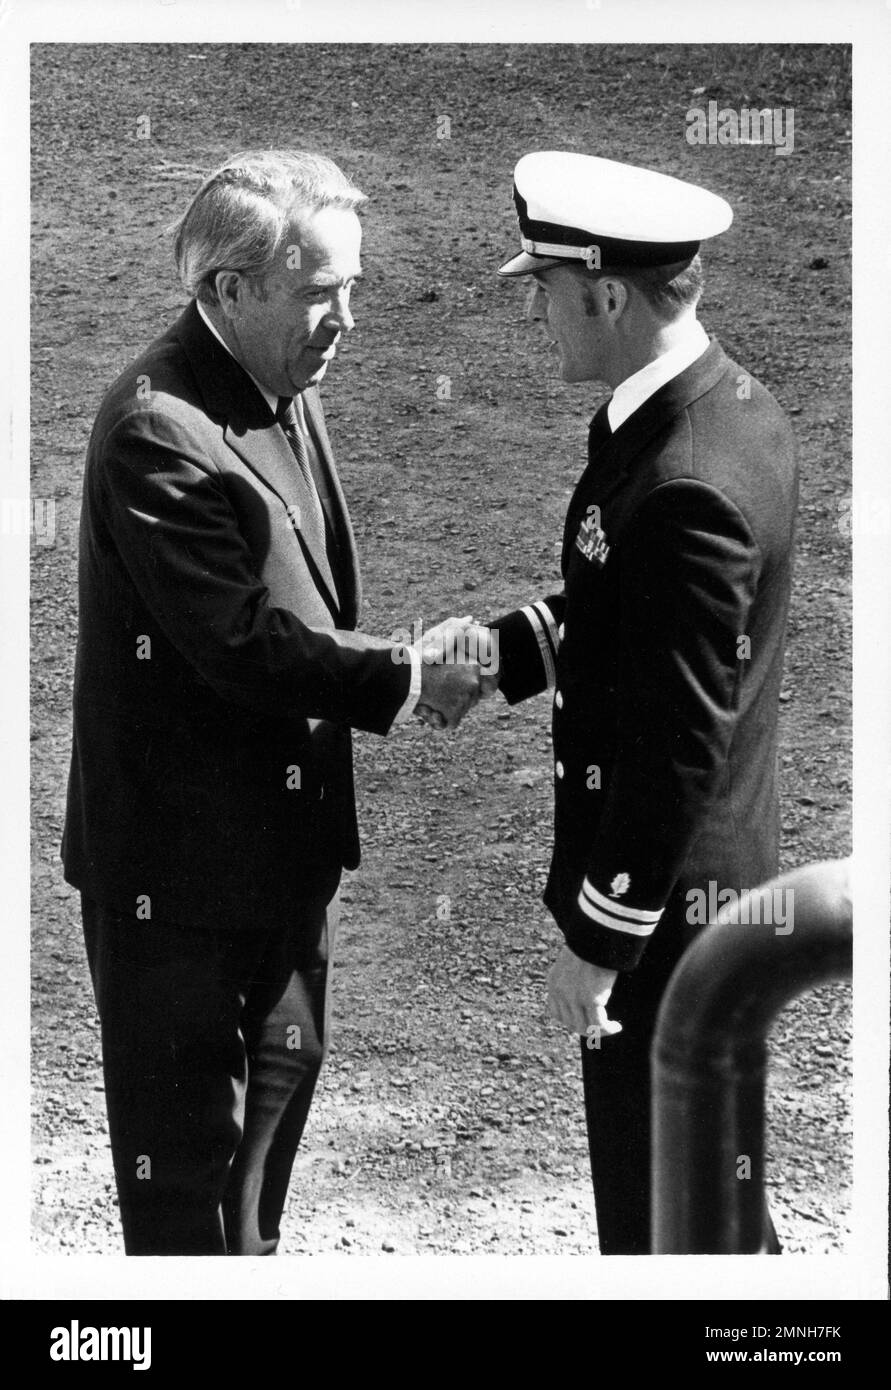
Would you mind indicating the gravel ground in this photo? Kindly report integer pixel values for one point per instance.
(449, 1117)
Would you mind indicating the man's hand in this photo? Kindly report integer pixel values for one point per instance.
(452, 679)
(447, 693)
(578, 994)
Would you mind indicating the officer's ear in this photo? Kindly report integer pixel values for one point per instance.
(615, 295)
(607, 295)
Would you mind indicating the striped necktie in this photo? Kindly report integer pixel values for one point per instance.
(312, 518)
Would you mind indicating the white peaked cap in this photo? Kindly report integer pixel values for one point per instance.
(578, 207)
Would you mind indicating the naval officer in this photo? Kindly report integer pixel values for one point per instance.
(664, 646)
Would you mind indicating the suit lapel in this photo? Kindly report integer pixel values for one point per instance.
(350, 583)
(232, 399)
(268, 454)
(608, 465)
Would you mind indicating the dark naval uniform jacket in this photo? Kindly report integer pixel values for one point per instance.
(665, 649)
(218, 668)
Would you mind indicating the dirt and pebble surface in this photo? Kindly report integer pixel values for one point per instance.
(449, 1117)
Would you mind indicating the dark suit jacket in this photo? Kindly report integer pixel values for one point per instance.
(666, 647)
(188, 752)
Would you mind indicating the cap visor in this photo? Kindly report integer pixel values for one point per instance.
(524, 264)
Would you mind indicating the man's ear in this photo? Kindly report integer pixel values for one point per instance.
(612, 295)
(230, 286)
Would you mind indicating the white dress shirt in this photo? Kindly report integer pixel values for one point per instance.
(414, 689)
(631, 394)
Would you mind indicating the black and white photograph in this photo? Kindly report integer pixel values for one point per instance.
(441, 550)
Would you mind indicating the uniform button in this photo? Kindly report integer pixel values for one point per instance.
(558, 699)
(560, 630)
(559, 769)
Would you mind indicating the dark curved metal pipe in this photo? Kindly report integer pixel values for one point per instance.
(709, 1055)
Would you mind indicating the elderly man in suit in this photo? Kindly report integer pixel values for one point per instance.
(219, 673)
(664, 648)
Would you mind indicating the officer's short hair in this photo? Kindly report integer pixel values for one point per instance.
(668, 289)
(241, 213)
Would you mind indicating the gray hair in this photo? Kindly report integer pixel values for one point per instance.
(241, 213)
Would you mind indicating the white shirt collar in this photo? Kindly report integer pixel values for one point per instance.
(269, 397)
(630, 394)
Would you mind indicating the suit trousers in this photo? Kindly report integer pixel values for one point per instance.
(617, 1087)
(212, 1042)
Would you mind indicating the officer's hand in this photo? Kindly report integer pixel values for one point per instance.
(462, 640)
(578, 994)
(445, 641)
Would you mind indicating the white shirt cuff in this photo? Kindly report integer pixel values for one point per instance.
(414, 689)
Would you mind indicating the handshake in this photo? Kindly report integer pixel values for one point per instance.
(459, 666)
